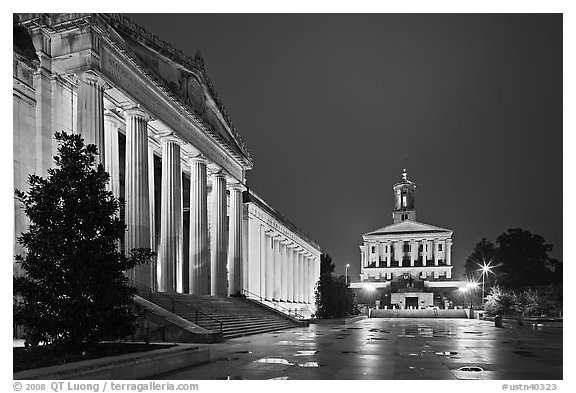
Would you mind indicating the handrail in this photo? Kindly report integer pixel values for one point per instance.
(174, 301)
(282, 308)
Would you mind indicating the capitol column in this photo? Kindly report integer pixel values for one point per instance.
(448, 252)
(235, 239)
(413, 252)
(435, 252)
(388, 254)
(218, 246)
(90, 112)
(170, 216)
(137, 213)
(199, 249)
(305, 278)
(424, 253)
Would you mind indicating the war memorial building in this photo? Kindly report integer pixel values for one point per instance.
(408, 260)
(170, 148)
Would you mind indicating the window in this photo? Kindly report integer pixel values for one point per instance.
(440, 247)
(373, 249)
(406, 247)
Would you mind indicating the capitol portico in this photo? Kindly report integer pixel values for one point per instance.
(170, 148)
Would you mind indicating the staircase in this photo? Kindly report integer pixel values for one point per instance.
(235, 317)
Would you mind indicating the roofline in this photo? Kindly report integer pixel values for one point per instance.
(408, 232)
(249, 196)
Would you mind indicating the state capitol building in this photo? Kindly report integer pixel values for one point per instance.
(408, 260)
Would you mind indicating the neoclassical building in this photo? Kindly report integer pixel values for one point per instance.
(169, 146)
(408, 258)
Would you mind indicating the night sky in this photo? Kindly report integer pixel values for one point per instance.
(332, 107)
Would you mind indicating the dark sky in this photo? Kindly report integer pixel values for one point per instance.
(330, 106)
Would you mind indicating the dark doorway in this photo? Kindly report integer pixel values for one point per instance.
(411, 302)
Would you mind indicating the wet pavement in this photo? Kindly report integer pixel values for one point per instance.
(389, 349)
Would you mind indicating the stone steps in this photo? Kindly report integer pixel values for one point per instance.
(238, 317)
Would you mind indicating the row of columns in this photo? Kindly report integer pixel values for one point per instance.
(397, 249)
(287, 271)
(212, 266)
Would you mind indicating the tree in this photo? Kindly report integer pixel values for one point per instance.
(484, 253)
(502, 302)
(334, 299)
(524, 258)
(73, 291)
(326, 264)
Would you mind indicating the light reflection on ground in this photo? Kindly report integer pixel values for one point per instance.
(389, 349)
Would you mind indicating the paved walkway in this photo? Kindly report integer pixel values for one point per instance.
(389, 349)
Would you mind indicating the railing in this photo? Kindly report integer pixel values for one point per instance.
(276, 306)
(197, 313)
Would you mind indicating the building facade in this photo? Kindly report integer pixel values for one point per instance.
(409, 260)
(163, 135)
(282, 264)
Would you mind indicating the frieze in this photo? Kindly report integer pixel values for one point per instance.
(119, 73)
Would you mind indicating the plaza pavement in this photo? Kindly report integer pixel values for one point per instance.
(386, 349)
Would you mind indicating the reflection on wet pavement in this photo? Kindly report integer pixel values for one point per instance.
(274, 361)
(389, 349)
(309, 364)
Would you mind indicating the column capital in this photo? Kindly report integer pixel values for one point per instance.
(216, 172)
(137, 111)
(168, 137)
(197, 158)
(236, 186)
(112, 116)
(93, 79)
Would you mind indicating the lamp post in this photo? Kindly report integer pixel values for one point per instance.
(346, 276)
(486, 268)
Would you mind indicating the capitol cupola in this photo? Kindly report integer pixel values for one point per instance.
(404, 200)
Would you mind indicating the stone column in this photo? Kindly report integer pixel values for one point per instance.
(151, 200)
(199, 248)
(311, 280)
(235, 239)
(307, 279)
(398, 253)
(137, 209)
(277, 268)
(269, 258)
(284, 270)
(170, 217)
(448, 252)
(302, 285)
(90, 112)
(262, 261)
(423, 242)
(152, 215)
(290, 272)
(296, 275)
(435, 252)
(413, 252)
(218, 238)
(388, 254)
(112, 165)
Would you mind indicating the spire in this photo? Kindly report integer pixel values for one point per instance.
(404, 175)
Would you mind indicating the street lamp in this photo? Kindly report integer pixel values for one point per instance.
(486, 268)
(346, 277)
